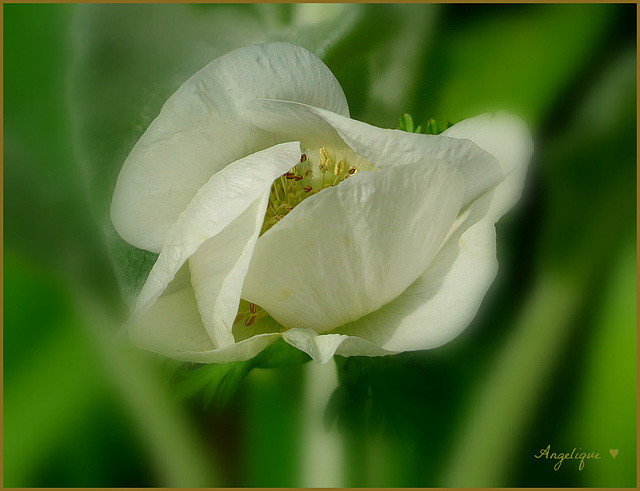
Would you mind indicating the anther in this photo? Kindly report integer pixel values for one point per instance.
(303, 158)
(250, 320)
(325, 158)
(307, 189)
(352, 170)
(253, 308)
(238, 318)
(339, 169)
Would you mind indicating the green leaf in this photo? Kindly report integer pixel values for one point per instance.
(279, 355)
(335, 406)
(376, 417)
(406, 123)
(218, 383)
(378, 62)
(590, 209)
(521, 59)
(432, 128)
(232, 381)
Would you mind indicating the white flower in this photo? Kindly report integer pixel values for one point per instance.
(376, 242)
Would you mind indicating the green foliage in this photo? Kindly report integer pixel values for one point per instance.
(406, 124)
(431, 127)
(218, 383)
(363, 402)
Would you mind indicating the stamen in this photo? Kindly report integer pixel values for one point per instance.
(325, 158)
(287, 191)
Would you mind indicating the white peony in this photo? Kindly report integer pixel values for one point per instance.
(278, 216)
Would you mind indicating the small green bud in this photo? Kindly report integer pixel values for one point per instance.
(432, 127)
(406, 123)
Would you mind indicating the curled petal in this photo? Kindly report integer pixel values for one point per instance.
(200, 130)
(172, 325)
(217, 231)
(382, 147)
(507, 137)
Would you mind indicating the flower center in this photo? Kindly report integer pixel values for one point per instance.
(317, 170)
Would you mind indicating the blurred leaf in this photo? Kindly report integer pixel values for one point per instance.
(379, 61)
(220, 382)
(44, 397)
(605, 414)
(335, 404)
(590, 172)
(395, 65)
(600, 200)
(271, 421)
(520, 60)
(279, 355)
(376, 417)
(232, 381)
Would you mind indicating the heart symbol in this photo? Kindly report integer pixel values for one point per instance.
(613, 452)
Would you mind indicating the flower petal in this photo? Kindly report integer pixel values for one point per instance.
(172, 325)
(242, 351)
(507, 138)
(218, 269)
(352, 248)
(322, 347)
(228, 211)
(381, 147)
(444, 300)
(200, 130)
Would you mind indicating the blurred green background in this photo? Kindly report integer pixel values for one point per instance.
(550, 359)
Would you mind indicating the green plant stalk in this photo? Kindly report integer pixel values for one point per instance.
(502, 411)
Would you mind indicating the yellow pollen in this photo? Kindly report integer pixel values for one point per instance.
(325, 158)
(309, 177)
